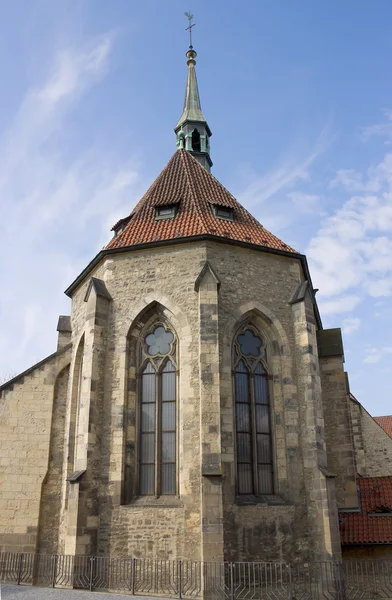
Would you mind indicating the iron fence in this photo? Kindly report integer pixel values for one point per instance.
(348, 580)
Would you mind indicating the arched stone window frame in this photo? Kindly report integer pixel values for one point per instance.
(150, 307)
(157, 363)
(143, 316)
(255, 366)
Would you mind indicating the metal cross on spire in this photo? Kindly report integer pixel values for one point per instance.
(189, 16)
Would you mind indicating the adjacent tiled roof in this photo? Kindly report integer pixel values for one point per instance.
(385, 423)
(362, 528)
(184, 181)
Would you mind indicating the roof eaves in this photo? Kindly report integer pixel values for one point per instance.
(362, 543)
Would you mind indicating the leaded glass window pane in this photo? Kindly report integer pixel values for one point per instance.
(249, 343)
(158, 414)
(168, 416)
(245, 479)
(168, 383)
(265, 477)
(148, 384)
(168, 447)
(147, 450)
(243, 417)
(262, 419)
(159, 341)
(168, 479)
(147, 480)
(244, 447)
(263, 448)
(242, 387)
(261, 389)
(253, 429)
(148, 417)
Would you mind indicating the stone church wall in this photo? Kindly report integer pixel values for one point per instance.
(259, 286)
(337, 415)
(26, 416)
(206, 520)
(100, 513)
(144, 527)
(372, 445)
(49, 520)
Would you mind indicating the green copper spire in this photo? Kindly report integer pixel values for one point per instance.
(192, 129)
(192, 108)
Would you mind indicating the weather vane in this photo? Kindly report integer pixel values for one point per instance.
(189, 16)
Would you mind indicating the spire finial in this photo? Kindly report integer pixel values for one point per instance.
(190, 18)
(192, 130)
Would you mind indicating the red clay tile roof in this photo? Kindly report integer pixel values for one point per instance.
(385, 423)
(361, 528)
(185, 182)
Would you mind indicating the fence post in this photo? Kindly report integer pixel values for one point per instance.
(231, 581)
(180, 578)
(289, 586)
(133, 576)
(92, 559)
(54, 572)
(20, 566)
(340, 580)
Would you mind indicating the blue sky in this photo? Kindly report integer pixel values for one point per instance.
(298, 96)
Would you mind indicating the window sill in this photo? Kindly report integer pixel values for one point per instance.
(151, 501)
(266, 500)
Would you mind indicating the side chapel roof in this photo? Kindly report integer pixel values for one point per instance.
(373, 523)
(385, 423)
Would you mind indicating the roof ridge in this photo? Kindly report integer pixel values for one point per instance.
(192, 184)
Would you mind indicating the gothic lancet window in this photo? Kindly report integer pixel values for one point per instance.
(158, 414)
(252, 414)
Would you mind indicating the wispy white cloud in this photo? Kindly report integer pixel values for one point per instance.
(374, 355)
(383, 129)
(287, 173)
(339, 305)
(286, 176)
(58, 203)
(306, 203)
(353, 181)
(75, 71)
(351, 254)
(350, 324)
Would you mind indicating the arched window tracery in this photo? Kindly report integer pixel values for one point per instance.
(255, 474)
(158, 412)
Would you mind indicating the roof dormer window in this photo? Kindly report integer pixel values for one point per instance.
(223, 212)
(121, 225)
(165, 212)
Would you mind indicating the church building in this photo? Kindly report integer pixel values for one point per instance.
(195, 407)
